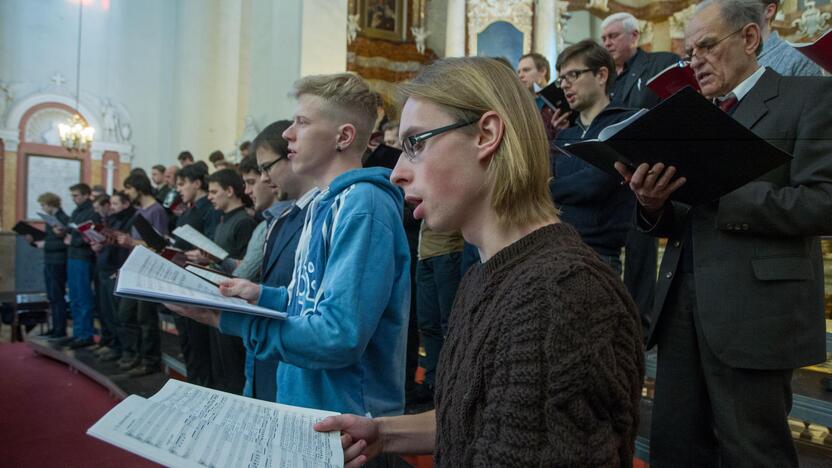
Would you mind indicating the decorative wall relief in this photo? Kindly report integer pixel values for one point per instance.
(482, 13)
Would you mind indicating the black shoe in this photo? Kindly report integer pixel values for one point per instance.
(127, 362)
(82, 343)
(110, 356)
(142, 370)
(61, 340)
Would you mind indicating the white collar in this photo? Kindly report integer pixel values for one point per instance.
(743, 88)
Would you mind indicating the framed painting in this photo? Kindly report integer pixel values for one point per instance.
(383, 19)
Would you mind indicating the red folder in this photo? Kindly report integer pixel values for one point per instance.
(672, 79)
(819, 51)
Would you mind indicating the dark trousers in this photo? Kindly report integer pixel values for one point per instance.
(196, 349)
(437, 279)
(139, 325)
(107, 306)
(412, 351)
(706, 413)
(640, 264)
(55, 281)
(228, 360)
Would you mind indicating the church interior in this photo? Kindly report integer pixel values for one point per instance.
(90, 90)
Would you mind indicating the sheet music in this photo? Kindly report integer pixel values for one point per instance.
(198, 240)
(191, 426)
(206, 274)
(150, 277)
(51, 220)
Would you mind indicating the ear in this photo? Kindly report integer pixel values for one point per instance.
(603, 75)
(346, 136)
(752, 37)
(491, 129)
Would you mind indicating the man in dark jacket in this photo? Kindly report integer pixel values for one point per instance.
(80, 265)
(54, 264)
(592, 201)
(634, 68)
(117, 215)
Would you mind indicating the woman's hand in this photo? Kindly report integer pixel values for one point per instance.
(360, 437)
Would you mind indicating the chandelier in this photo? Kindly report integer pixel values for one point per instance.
(75, 134)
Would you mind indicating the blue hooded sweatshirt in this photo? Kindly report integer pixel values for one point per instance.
(342, 348)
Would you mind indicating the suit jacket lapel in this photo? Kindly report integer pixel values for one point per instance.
(291, 224)
(634, 73)
(753, 106)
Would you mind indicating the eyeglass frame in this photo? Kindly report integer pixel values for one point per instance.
(565, 77)
(267, 167)
(411, 140)
(690, 54)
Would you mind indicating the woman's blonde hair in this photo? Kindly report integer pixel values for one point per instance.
(348, 97)
(519, 172)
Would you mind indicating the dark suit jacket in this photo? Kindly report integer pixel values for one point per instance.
(278, 268)
(756, 253)
(630, 90)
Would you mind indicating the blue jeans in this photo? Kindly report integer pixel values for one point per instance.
(55, 280)
(79, 274)
(437, 279)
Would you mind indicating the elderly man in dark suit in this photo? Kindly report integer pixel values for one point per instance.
(739, 303)
(634, 68)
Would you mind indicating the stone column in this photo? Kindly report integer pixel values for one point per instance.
(455, 32)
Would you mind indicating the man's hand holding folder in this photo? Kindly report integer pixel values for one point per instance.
(651, 185)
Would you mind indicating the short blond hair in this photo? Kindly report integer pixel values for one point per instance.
(519, 172)
(348, 95)
(49, 199)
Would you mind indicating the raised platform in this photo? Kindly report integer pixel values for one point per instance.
(108, 375)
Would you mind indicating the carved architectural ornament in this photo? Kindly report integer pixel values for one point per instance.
(481, 13)
(812, 21)
(678, 22)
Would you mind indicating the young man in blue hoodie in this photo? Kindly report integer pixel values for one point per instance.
(342, 347)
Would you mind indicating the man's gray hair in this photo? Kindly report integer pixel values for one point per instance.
(737, 13)
(628, 21)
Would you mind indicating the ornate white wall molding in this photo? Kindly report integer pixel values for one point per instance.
(110, 119)
(678, 22)
(812, 21)
(481, 13)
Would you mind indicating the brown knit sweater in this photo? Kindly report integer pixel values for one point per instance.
(543, 363)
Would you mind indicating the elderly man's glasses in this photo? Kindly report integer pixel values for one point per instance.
(703, 49)
(571, 76)
(413, 144)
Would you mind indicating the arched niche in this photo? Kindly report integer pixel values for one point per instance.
(501, 39)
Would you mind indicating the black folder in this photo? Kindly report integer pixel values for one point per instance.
(714, 152)
(554, 98)
(148, 234)
(26, 228)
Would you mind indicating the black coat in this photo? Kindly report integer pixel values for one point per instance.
(757, 261)
(630, 88)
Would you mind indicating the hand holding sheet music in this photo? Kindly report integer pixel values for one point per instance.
(191, 426)
(149, 277)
